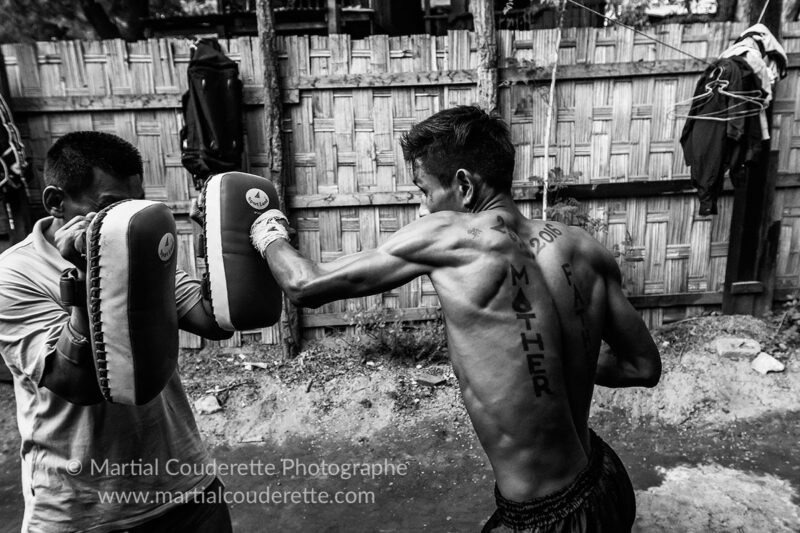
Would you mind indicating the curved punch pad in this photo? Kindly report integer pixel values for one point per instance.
(133, 320)
(242, 291)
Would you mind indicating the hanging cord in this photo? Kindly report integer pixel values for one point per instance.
(643, 34)
(763, 10)
(550, 106)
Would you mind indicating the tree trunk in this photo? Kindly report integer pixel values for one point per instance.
(483, 18)
(289, 324)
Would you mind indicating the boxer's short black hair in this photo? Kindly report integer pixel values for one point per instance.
(70, 160)
(462, 137)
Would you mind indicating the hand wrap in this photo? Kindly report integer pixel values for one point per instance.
(267, 229)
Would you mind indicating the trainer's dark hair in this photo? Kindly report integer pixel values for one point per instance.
(463, 137)
(70, 160)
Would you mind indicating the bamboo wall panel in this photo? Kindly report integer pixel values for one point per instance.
(347, 104)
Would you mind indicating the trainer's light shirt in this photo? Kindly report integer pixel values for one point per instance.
(55, 433)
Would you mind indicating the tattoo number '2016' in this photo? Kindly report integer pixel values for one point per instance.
(516, 239)
(547, 235)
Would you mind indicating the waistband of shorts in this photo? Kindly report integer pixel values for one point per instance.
(546, 510)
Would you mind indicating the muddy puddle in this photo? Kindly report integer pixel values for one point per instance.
(434, 479)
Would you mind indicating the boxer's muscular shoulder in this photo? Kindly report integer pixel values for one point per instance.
(433, 239)
(593, 252)
(423, 231)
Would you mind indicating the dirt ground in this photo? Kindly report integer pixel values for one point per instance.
(715, 447)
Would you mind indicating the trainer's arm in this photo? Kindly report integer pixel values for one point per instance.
(409, 253)
(199, 320)
(194, 311)
(633, 359)
(36, 342)
(69, 368)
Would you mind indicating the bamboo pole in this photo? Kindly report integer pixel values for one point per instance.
(550, 105)
(483, 17)
(289, 322)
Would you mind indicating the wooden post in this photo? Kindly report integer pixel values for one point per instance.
(333, 17)
(483, 19)
(769, 239)
(752, 246)
(289, 323)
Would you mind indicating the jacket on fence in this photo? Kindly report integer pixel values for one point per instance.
(766, 57)
(716, 137)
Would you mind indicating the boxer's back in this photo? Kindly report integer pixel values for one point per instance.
(524, 305)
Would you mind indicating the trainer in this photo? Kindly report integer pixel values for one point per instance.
(526, 305)
(65, 425)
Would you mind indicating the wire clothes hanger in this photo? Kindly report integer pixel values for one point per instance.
(718, 86)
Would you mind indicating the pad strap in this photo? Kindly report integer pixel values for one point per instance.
(72, 345)
(72, 288)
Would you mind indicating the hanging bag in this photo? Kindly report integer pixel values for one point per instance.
(212, 136)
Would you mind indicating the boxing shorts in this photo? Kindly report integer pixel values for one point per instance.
(599, 499)
(130, 283)
(238, 283)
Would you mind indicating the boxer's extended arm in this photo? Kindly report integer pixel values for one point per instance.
(413, 251)
(310, 284)
(633, 359)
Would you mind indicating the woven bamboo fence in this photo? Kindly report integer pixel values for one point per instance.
(348, 102)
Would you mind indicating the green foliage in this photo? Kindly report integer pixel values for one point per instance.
(37, 20)
(197, 7)
(40, 20)
(631, 12)
(566, 209)
(376, 334)
(528, 70)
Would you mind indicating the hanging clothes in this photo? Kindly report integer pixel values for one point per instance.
(766, 57)
(712, 147)
(774, 54)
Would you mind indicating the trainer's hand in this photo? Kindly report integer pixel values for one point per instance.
(70, 240)
(268, 228)
(197, 211)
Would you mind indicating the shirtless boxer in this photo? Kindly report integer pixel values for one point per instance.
(526, 304)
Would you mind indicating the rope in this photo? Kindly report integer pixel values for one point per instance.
(643, 34)
(763, 10)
